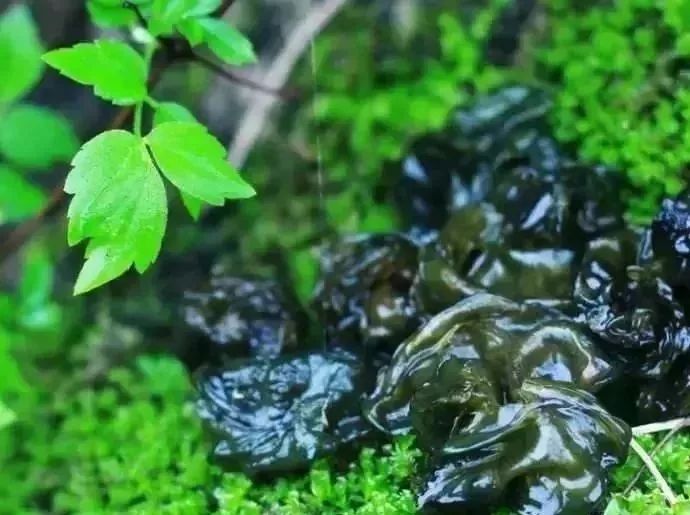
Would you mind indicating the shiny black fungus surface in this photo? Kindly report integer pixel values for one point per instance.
(553, 441)
(496, 329)
(364, 295)
(671, 238)
(239, 316)
(280, 414)
(475, 354)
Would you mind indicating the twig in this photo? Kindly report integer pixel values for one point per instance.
(283, 93)
(678, 424)
(654, 471)
(254, 119)
(658, 427)
(222, 9)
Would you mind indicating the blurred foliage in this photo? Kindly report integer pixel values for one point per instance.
(32, 138)
(368, 95)
(134, 445)
(129, 443)
(623, 89)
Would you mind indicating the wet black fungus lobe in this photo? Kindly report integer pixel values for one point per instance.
(494, 328)
(280, 414)
(238, 316)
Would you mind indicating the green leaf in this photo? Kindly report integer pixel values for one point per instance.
(36, 137)
(192, 31)
(192, 204)
(19, 199)
(115, 70)
(227, 42)
(203, 8)
(165, 14)
(112, 13)
(119, 204)
(20, 53)
(195, 162)
(107, 15)
(171, 112)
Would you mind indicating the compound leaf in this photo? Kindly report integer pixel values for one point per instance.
(119, 204)
(115, 70)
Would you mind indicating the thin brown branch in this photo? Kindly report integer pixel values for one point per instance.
(255, 117)
(241, 80)
(137, 12)
(223, 8)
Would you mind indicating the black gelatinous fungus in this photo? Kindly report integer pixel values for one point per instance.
(490, 124)
(553, 443)
(470, 255)
(280, 414)
(500, 150)
(237, 317)
(626, 302)
(668, 398)
(364, 293)
(496, 392)
(483, 338)
(517, 293)
(671, 239)
(437, 177)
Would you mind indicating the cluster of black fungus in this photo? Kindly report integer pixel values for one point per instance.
(492, 328)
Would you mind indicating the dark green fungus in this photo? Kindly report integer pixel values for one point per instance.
(495, 328)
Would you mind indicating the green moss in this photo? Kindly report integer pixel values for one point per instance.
(134, 445)
(673, 461)
(622, 89)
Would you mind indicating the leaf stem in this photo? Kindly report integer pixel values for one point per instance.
(152, 102)
(149, 51)
(138, 115)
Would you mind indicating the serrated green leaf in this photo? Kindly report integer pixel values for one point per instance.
(172, 112)
(227, 42)
(119, 204)
(192, 31)
(115, 70)
(195, 162)
(19, 199)
(192, 204)
(20, 53)
(35, 137)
